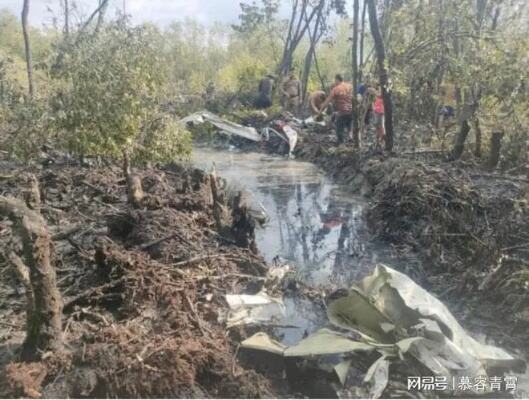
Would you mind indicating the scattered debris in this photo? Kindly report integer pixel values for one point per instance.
(253, 309)
(390, 314)
(227, 127)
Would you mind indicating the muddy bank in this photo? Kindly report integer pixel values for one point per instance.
(143, 288)
(468, 227)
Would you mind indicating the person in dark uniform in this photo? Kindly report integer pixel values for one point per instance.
(265, 89)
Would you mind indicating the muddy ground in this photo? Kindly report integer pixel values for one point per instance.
(468, 226)
(143, 288)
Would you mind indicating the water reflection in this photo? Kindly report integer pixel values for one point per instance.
(314, 224)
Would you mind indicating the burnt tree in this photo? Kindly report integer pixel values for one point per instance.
(382, 73)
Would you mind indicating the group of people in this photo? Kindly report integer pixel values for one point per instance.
(338, 104)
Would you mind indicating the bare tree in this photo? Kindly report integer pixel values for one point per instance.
(301, 17)
(383, 73)
(360, 71)
(97, 12)
(103, 4)
(314, 37)
(29, 62)
(354, 61)
(66, 6)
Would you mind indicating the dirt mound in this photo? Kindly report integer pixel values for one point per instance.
(143, 290)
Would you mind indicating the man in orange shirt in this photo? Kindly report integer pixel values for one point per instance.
(342, 97)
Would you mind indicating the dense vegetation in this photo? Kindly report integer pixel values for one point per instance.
(105, 86)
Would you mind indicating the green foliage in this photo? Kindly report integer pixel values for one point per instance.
(163, 140)
(109, 93)
(26, 129)
(253, 16)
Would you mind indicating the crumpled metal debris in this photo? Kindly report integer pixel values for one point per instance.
(227, 127)
(397, 318)
(246, 309)
(286, 133)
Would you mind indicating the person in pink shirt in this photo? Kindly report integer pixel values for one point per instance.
(378, 115)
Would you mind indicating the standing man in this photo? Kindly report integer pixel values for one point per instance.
(342, 97)
(266, 87)
(291, 90)
(378, 114)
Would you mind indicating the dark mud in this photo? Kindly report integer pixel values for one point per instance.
(143, 289)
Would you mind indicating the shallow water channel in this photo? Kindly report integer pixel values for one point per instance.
(315, 226)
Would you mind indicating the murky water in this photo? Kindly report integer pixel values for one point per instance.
(314, 225)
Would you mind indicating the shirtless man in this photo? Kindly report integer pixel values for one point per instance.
(316, 100)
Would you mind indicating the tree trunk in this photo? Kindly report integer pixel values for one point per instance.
(134, 189)
(354, 61)
(23, 275)
(301, 23)
(29, 61)
(243, 225)
(318, 72)
(220, 211)
(103, 4)
(361, 69)
(495, 148)
(461, 138)
(314, 38)
(383, 73)
(66, 18)
(477, 130)
(44, 326)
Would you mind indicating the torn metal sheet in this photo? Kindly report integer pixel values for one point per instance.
(342, 369)
(377, 377)
(248, 309)
(406, 303)
(292, 136)
(288, 134)
(325, 342)
(355, 312)
(443, 359)
(310, 121)
(228, 127)
(261, 341)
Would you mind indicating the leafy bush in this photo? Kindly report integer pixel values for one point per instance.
(108, 99)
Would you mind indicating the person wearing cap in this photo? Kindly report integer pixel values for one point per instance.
(291, 90)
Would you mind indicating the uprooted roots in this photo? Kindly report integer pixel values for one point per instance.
(143, 291)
